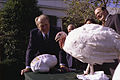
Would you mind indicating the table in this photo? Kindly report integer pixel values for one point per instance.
(51, 76)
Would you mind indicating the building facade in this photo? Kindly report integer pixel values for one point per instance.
(55, 9)
(2, 2)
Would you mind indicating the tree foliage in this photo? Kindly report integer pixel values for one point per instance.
(105, 3)
(77, 12)
(16, 20)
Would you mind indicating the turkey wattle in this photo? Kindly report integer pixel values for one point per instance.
(93, 44)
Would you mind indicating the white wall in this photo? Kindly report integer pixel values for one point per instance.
(53, 7)
(113, 10)
(54, 3)
(2, 2)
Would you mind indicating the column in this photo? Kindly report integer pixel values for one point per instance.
(59, 22)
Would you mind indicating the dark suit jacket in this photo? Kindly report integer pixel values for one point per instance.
(113, 22)
(70, 62)
(37, 45)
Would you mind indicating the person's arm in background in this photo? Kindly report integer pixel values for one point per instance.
(63, 61)
(62, 58)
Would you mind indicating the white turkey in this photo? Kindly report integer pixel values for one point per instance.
(92, 44)
(43, 63)
(116, 75)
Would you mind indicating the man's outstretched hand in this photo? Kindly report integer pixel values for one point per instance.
(25, 70)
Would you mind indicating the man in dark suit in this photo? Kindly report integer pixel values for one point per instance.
(42, 41)
(108, 20)
(112, 21)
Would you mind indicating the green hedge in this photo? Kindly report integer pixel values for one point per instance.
(16, 21)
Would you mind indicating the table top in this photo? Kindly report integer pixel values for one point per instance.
(51, 76)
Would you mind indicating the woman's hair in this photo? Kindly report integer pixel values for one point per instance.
(90, 19)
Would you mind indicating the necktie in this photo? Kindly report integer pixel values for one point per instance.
(46, 36)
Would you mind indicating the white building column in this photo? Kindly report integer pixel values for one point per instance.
(59, 22)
